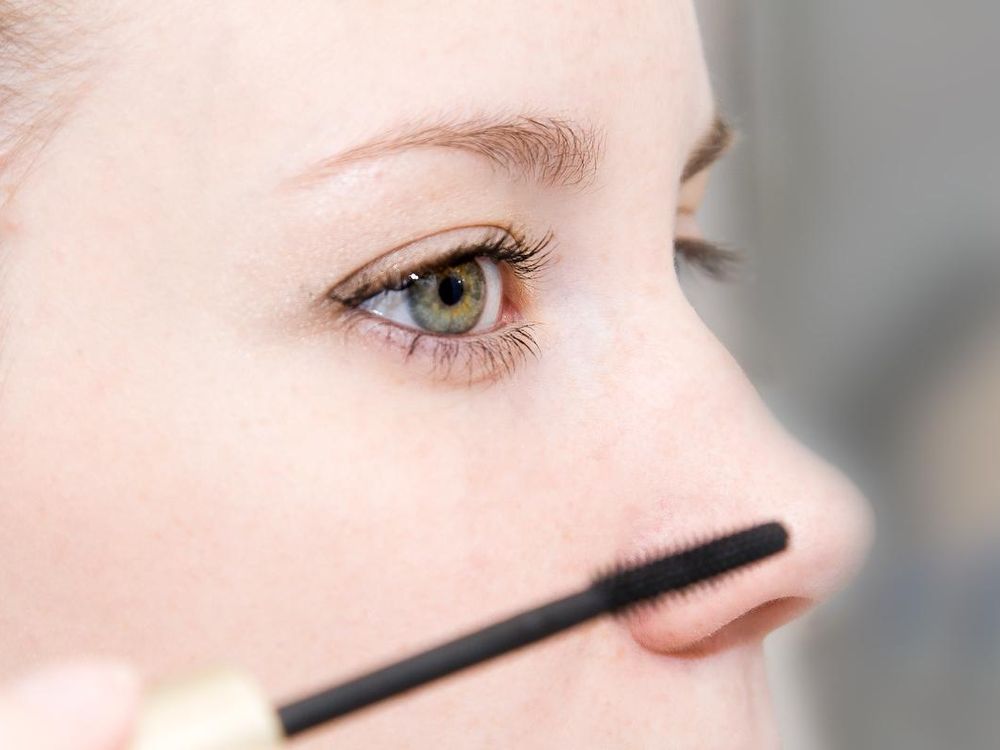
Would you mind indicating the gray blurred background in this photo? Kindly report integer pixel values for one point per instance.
(865, 190)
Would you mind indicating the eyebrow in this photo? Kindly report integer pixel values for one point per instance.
(710, 148)
(550, 150)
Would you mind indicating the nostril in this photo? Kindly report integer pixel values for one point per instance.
(750, 626)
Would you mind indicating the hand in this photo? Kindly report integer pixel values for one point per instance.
(82, 705)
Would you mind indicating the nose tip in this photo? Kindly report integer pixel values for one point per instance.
(828, 538)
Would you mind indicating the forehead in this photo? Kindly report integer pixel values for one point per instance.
(333, 73)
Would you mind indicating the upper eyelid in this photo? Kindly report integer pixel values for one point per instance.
(361, 279)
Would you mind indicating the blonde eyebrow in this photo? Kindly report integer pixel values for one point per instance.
(549, 150)
(711, 146)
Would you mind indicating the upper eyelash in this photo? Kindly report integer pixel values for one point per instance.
(720, 263)
(525, 260)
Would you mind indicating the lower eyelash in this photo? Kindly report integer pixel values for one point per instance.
(488, 357)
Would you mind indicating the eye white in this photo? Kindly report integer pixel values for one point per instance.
(393, 305)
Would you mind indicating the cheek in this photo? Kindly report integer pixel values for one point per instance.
(257, 512)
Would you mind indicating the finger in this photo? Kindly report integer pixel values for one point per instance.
(85, 705)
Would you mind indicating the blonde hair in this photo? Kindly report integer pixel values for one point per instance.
(41, 62)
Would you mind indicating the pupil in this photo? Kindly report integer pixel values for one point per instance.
(450, 290)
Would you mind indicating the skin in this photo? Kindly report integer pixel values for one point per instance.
(199, 466)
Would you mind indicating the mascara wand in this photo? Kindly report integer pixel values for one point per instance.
(226, 711)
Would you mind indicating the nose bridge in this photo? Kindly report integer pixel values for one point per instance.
(721, 462)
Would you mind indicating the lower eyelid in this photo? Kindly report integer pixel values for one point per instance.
(466, 358)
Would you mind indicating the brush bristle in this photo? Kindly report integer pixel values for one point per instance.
(630, 585)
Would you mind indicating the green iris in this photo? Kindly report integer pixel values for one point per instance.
(450, 300)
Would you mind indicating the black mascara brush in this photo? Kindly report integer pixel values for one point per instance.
(225, 710)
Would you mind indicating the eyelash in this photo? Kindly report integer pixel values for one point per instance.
(718, 262)
(495, 354)
(525, 259)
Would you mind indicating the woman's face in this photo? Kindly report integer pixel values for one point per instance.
(218, 445)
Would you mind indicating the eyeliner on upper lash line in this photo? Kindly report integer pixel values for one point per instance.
(525, 260)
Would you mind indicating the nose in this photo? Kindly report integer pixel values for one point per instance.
(735, 466)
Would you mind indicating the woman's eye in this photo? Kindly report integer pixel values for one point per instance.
(461, 298)
(454, 300)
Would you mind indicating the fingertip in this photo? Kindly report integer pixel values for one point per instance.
(87, 704)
